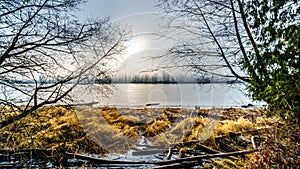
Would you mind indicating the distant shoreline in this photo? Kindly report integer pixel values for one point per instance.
(116, 82)
(157, 105)
(220, 82)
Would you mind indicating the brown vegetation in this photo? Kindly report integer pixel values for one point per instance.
(50, 127)
(101, 130)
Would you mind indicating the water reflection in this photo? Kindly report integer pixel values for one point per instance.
(168, 95)
(142, 94)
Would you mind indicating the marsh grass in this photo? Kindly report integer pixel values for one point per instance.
(227, 126)
(100, 130)
(50, 127)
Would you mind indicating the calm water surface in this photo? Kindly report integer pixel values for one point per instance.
(170, 95)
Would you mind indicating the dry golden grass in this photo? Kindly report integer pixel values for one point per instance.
(99, 130)
(126, 125)
(239, 125)
(50, 127)
(108, 128)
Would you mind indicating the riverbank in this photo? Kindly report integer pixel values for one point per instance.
(103, 130)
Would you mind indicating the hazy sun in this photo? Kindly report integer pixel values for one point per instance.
(134, 46)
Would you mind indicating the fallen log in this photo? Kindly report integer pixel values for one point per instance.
(201, 146)
(193, 159)
(207, 156)
(173, 166)
(208, 149)
(95, 160)
(213, 151)
(148, 152)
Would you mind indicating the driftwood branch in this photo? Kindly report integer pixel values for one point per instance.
(169, 155)
(176, 165)
(95, 160)
(200, 157)
(253, 142)
(187, 161)
(200, 146)
(166, 162)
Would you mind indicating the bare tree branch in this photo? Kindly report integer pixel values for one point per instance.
(45, 53)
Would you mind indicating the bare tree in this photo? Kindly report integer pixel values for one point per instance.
(212, 38)
(45, 52)
(252, 40)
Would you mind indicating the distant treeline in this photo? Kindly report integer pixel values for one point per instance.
(145, 78)
(165, 78)
(140, 78)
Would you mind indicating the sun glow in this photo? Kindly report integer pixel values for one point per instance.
(134, 46)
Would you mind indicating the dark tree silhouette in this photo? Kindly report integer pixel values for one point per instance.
(45, 52)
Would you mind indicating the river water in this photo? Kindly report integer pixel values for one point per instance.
(131, 95)
(210, 95)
